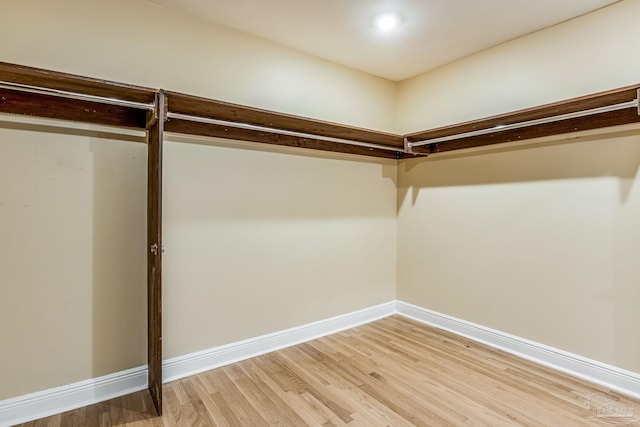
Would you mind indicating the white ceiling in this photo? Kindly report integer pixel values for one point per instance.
(433, 32)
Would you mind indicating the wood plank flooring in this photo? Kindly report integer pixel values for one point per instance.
(392, 372)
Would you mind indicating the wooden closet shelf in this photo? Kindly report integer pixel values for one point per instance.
(55, 80)
(55, 107)
(273, 138)
(228, 112)
(117, 104)
(546, 120)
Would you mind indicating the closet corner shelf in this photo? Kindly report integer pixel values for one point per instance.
(43, 93)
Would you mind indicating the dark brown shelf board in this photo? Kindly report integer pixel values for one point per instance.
(38, 77)
(601, 120)
(53, 107)
(273, 138)
(208, 108)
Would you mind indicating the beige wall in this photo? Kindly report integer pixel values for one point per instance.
(541, 242)
(593, 53)
(258, 241)
(263, 241)
(72, 259)
(137, 42)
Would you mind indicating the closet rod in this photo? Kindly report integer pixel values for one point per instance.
(247, 126)
(500, 128)
(76, 96)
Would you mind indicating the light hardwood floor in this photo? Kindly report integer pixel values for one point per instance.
(393, 372)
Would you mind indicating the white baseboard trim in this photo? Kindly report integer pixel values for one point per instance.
(53, 401)
(194, 363)
(60, 399)
(614, 378)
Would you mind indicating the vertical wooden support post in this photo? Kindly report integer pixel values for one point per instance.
(154, 255)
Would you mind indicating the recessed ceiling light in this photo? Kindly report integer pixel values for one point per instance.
(387, 21)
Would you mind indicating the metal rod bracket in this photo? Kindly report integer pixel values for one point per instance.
(152, 115)
(154, 249)
(408, 146)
